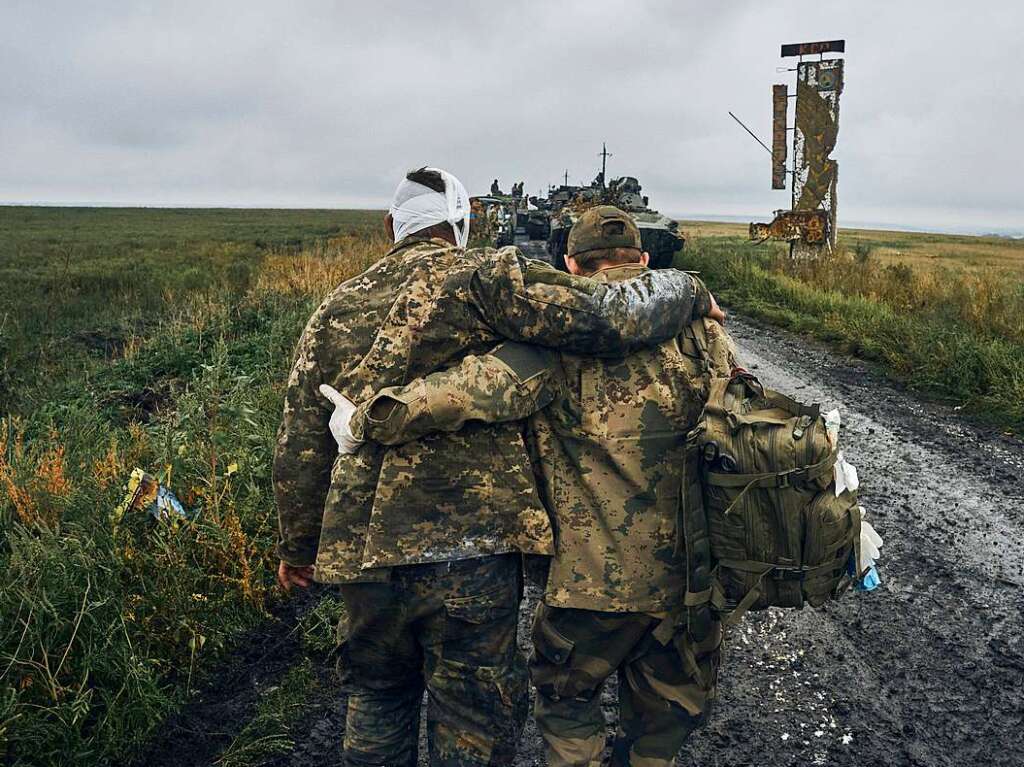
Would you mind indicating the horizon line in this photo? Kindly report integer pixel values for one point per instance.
(967, 230)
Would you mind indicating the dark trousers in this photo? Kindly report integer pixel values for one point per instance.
(449, 629)
(666, 684)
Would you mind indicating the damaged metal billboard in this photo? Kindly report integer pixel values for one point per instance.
(810, 226)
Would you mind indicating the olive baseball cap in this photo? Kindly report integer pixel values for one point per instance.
(600, 227)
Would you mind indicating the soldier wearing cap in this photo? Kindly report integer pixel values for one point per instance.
(622, 593)
(424, 538)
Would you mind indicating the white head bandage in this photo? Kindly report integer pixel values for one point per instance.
(416, 207)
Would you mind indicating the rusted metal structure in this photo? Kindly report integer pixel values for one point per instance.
(780, 104)
(810, 226)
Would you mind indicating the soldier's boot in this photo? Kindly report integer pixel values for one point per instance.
(665, 692)
(475, 675)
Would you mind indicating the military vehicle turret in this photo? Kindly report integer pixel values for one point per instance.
(659, 234)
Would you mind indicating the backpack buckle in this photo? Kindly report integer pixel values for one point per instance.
(783, 573)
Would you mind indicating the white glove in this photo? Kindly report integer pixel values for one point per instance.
(870, 543)
(845, 476)
(340, 420)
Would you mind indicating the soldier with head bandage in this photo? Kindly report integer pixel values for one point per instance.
(417, 206)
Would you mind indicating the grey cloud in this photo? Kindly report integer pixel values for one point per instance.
(326, 104)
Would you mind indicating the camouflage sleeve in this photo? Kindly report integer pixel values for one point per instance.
(304, 454)
(531, 301)
(512, 382)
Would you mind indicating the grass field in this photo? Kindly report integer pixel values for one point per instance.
(918, 249)
(157, 339)
(161, 339)
(943, 314)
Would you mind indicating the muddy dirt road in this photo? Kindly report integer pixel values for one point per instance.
(928, 670)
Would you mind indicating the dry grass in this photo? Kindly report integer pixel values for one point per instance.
(918, 249)
(317, 270)
(954, 331)
(33, 482)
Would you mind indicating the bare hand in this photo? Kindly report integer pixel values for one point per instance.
(288, 576)
(716, 313)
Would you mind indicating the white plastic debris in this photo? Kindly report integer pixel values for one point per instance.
(832, 422)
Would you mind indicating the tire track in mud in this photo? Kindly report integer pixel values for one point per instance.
(928, 670)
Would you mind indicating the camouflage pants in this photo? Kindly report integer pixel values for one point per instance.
(666, 684)
(449, 628)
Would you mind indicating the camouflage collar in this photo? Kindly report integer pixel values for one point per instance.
(413, 239)
(618, 272)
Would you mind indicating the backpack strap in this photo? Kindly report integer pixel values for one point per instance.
(720, 386)
(790, 405)
(779, 479)
(773, 478)
(716, 396)
(730, 620)
(694, 545)
(700, 342)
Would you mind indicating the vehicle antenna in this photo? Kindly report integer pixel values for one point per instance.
(604, 155)
(759, 141)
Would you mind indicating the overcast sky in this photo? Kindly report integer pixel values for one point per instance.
(325, 104)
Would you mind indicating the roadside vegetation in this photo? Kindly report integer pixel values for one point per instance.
(918, 249)
(160, 340)
(951, 326)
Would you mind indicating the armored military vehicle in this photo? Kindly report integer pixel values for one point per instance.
(659, 234)
(538, 221)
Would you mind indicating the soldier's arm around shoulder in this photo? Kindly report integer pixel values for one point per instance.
(510, 383)
(532, 301)
(304, 453)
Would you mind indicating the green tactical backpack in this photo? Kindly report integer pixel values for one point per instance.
(778, 534)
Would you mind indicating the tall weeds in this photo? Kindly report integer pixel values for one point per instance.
(106, 625)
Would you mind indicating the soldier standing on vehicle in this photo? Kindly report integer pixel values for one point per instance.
(628, 588)
(424, 538)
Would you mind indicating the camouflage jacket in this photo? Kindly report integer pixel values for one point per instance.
(424, 306)
(608, 448)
